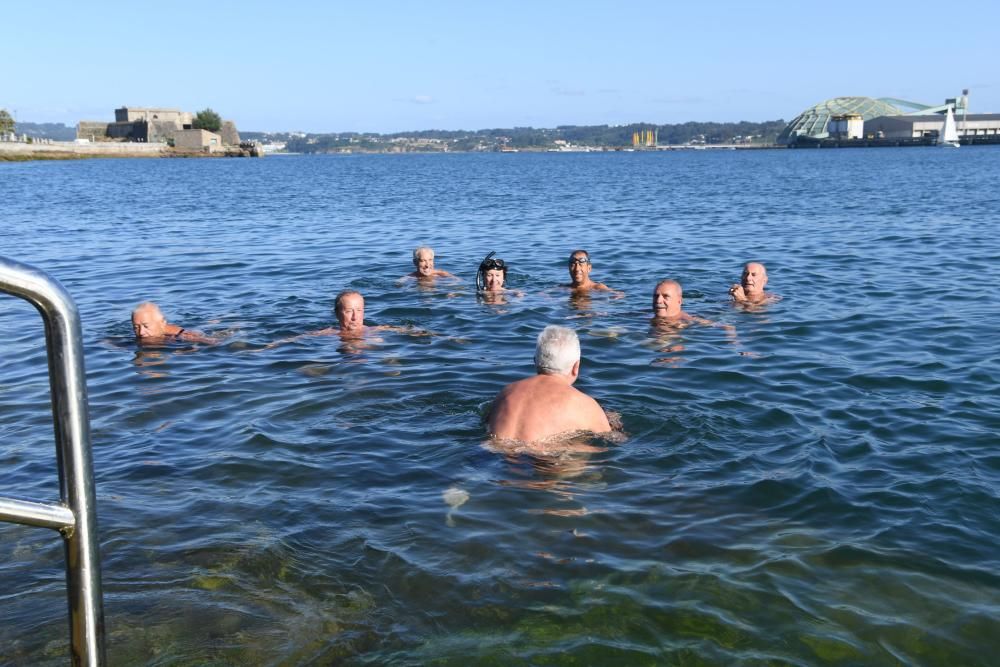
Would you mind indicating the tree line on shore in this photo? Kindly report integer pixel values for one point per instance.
(528, 138)
(521, 138)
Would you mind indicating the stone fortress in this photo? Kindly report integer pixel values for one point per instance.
(158, 126)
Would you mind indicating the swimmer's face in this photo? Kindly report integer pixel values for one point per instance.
(493, 280)
(424, 261)
(579, 268)
(148, 322)
(667, 300)
(754, 278)
(351, 313)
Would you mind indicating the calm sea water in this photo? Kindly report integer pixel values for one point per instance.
(824, 489)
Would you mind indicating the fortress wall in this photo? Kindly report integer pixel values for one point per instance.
(162, 130)
(92, 130)
(100, 148)
(125, 131)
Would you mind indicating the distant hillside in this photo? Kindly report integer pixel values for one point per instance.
(529, 138)
(269, 137)
(602, 136)
(53, 131)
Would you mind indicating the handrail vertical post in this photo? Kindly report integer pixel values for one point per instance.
(68, 386)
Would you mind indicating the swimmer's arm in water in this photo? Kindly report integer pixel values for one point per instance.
(615, 293)
(730, 330)
(329, 331)
(705, 322)
(197, 337)
(614, 420)
(409, 330)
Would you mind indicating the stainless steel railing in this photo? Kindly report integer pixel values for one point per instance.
(75, 517)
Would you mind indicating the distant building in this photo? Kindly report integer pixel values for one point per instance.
(198, 139)
(134, 114)
(149, 125)
(814, 122)
(846, 126)
(865, 119)
(906, 127)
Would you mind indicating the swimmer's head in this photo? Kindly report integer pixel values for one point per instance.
(579, 266)
(148, 321)
(754, 278)
(492, 274)
(668, 297)
(558, 351)
(349, 307)
(423, 261)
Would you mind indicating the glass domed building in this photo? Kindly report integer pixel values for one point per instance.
(813, 121)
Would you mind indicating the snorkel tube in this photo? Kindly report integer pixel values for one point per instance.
(481, 273)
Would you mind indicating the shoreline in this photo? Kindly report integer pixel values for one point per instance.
(25, 152)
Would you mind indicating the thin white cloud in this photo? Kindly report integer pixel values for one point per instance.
(422, 99)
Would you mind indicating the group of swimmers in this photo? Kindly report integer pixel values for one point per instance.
(530, 410)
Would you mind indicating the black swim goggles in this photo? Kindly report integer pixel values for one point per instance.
(578, 260)
(490, 263)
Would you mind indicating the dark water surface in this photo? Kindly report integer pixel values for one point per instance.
(822, 489)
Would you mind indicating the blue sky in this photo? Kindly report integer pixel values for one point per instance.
(385, 66)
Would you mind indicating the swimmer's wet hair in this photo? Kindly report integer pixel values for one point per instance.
(669, 281)
(345, 293)
(558, 349)
(147, 304)
(417, 251)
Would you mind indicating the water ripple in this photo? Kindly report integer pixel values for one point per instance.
(823, 472)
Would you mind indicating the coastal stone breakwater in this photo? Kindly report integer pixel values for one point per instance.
(67, 150)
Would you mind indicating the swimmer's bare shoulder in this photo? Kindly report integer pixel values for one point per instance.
(590, 413)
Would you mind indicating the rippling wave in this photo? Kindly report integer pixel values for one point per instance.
(819, 488)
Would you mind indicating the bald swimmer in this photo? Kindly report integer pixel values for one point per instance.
(750, 289)
(349, 309)
(668, 301)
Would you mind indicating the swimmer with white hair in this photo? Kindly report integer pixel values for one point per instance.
(423, 264)
(546, 404)
(151, 326)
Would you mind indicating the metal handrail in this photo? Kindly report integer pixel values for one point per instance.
(76, 516)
